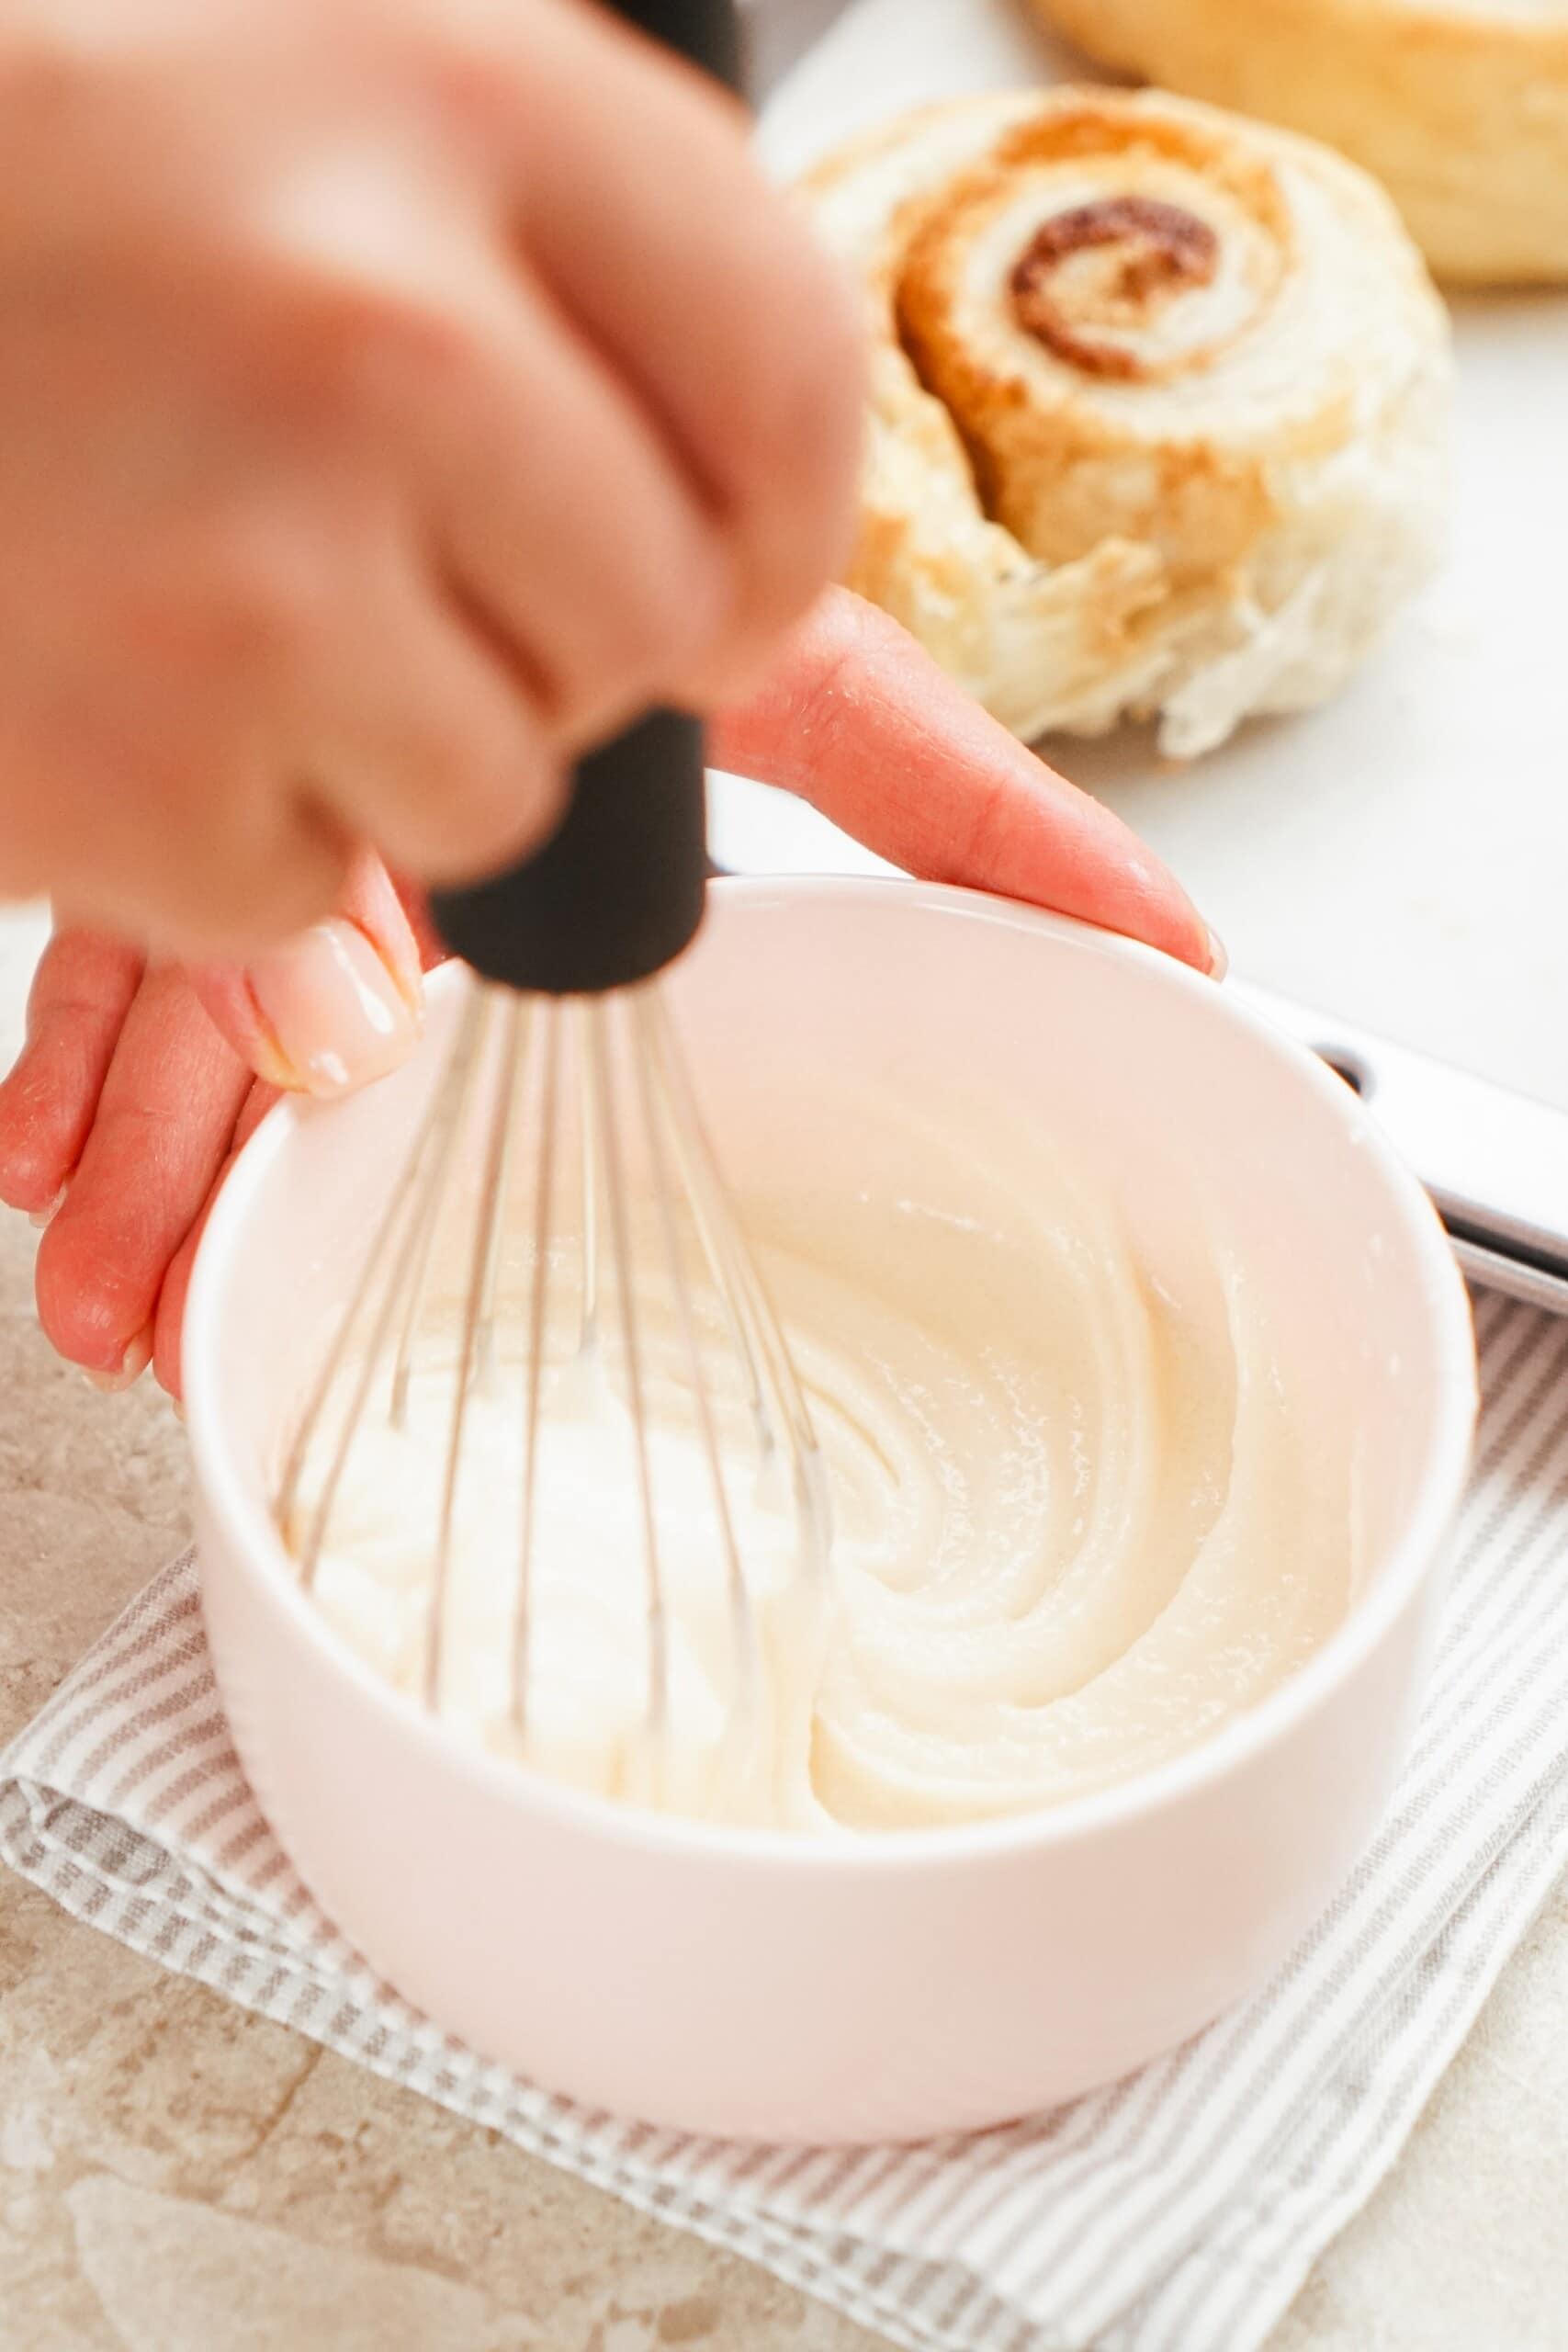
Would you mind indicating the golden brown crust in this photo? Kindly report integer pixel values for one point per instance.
(1157, 405)
(1459, 107)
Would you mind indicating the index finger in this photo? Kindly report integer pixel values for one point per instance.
(858, 720)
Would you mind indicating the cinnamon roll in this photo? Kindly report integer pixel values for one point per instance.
(1159, 406)
(1460, 107)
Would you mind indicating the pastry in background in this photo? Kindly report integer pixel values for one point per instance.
(1159, 406)
(1460, 107)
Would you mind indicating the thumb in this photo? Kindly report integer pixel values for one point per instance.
(336, 1006)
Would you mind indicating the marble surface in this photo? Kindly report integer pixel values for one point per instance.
(178, 2176)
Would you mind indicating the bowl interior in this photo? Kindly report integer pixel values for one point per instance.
(806, 999)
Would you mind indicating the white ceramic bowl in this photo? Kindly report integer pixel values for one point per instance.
(760, 1986)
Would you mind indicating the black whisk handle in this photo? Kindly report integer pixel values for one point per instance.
(617, 892)
(705, 32)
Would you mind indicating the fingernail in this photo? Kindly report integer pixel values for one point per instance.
(133, 1363)
(336, 1014)
(40, 1217)
(1219, 961)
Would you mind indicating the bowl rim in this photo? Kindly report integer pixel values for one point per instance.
(1415, 1555)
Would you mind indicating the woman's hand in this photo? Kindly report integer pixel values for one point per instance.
(393, 395)
(135, 1087)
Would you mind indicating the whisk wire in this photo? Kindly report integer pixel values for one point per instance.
(414, 1197)
(738, 1281)
(588, 1334)
(640, 1144)
(538, 1311)
(477, 1308)
(655, 1115)
(413, 1278)
(625, 1298)
(517, 1037)
(658, 1043)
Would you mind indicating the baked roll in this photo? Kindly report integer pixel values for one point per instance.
(1460, 107)
(1159, 406)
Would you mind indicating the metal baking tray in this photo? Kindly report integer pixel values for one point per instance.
(1494, 1162)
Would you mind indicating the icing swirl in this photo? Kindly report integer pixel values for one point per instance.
(1079, 1522)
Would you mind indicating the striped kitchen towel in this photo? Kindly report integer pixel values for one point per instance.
(1177, 2212)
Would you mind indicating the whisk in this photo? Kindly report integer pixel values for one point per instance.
(603, 1284)
(561, 1285)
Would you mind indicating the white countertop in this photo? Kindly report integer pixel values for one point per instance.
(1400, 857)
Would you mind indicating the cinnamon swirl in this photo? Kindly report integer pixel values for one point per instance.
(1159, 406)
(1460, 107)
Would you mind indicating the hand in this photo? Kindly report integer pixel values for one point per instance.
(393, 394)
(127, 1103)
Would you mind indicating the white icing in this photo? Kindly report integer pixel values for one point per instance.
(1079, 1523)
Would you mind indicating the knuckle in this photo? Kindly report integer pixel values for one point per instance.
(40, 1121)
(807, 382)
(985, 843)
(447, 784)
(497, 824)
(792, 511)
(239, 608)
(256, 628)
(368, 354)
(88, 1306)
(473, 87)
(668, 601)
(228, 900)
(29, 1178)
(305, 884)
(248, 898)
